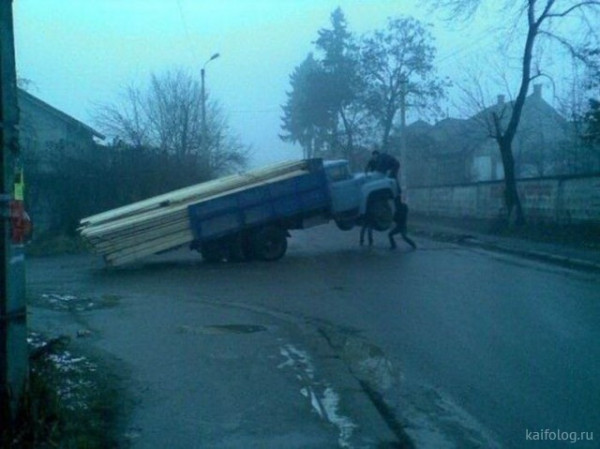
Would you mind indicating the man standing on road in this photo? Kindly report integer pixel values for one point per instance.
(400, 219)
(384, 163)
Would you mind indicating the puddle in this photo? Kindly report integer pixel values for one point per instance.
(373, 371)
(426, 418)
(366, 361)
(73, 303)
(324, 400)
(222, 329)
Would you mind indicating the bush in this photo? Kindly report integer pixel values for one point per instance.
(67, 187)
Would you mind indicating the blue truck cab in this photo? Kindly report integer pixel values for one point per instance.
(356, 197)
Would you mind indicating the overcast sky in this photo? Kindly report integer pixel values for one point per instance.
(79, 53)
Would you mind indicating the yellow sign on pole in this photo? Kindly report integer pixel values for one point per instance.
(19, 193)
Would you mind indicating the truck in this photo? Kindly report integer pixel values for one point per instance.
(244, 216)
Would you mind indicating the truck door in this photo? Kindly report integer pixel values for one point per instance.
(345, 190)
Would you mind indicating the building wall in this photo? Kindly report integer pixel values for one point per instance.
(49, 139)
(560, 200)
(462, 150)
(43, 132)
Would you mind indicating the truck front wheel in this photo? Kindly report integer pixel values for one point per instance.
(269, 243)
(379, 213)
(344, 224)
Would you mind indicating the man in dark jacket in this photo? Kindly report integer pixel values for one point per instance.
(400, 219)
(384, 163)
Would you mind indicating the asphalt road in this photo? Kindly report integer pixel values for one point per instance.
(341, 346)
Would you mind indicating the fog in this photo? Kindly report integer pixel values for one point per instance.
(77, 55)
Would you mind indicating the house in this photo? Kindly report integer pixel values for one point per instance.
(455, 151)
(44, 130)
(542, 135)
(49, 140)
(439, 153)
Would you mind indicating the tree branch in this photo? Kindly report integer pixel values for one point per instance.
(545, 14)
(572, 50)
(568, 11)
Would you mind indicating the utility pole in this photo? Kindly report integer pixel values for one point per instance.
(403, 157)
(13, 312)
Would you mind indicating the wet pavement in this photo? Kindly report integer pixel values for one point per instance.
(336, 345)
(203, 373)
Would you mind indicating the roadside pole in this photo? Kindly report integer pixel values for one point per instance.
(403, 157)
(13, 310)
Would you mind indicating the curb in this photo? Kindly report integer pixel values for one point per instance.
(470, 240)
(563, 261)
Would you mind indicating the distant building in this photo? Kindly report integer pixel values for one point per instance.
(455, 151)
(49, 140)
(45, 130)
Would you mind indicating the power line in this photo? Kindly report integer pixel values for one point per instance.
(186, 30)
(476, 42)
(256, 111)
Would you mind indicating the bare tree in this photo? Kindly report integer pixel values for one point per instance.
(125, 120)
(542, 18)
(398, 69)
(580, 154)
(166, 117)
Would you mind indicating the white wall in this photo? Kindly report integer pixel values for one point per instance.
(561, 200)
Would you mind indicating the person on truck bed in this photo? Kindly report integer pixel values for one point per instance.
(384, 163)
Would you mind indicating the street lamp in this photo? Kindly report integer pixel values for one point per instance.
(215, 56)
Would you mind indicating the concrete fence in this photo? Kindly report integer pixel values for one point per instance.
(558, 199)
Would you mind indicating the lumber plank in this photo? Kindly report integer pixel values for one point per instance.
(215, 186)
(160, 223)
(119, 258)
(126, 221)
(107, 245)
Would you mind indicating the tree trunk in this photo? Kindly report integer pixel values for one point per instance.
(505, 139)
(349, 147)
(387, 129)
(511, 195)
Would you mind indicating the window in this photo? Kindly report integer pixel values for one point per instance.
(337, 172)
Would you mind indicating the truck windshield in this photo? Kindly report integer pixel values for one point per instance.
(337, 172)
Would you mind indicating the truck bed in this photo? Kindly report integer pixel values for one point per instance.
(161, 223)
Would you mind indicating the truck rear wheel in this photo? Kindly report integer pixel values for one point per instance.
(211, 252)
(379, 213)
(269, 243)
(239, 248)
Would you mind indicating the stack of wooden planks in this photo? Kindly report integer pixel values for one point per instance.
(160, 223)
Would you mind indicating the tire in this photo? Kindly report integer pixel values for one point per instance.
(379, 213)
(269, 243)
(212, 252)
(238, 249)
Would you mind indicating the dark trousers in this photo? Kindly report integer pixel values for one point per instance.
(369, 230)
(400, 229)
